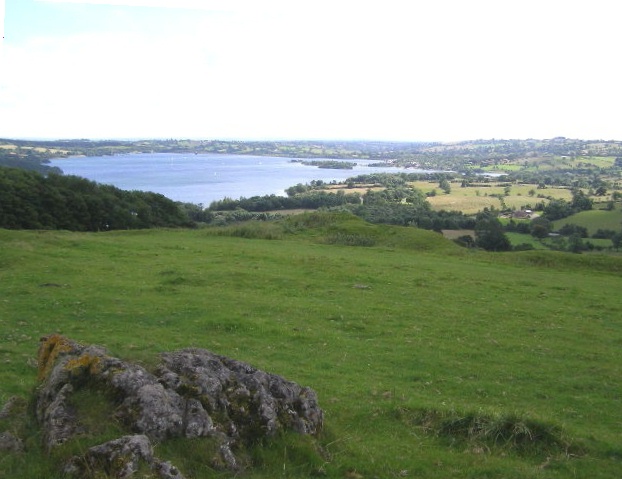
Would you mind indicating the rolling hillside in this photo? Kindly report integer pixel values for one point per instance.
(429, 360)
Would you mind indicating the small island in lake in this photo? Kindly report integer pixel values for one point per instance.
(330, 164)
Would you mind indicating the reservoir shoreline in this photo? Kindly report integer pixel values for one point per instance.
(203, 178)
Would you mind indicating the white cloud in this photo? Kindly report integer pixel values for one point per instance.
(440, 69)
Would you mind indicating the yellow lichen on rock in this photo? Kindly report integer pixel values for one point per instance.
(86, 363)
(49, 350)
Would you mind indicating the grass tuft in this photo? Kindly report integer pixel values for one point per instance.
(496, 432)
(350, 239)
(251, 230)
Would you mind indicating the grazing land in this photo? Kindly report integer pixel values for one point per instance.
(593, 220)
(472, 199)
(429, 360)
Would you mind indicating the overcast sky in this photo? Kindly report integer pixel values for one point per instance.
(410, 70)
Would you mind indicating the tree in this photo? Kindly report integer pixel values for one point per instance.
(616, 240)
(445, 186)
(539, 231)
(557, 209)
(466, 241)
(30, 200)
(575, 243)
(580, 201)
(489, 235)
(604, 233)
(570, 229)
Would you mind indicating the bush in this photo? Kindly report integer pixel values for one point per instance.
(604, 234)
(571, 229)
(489, 235)
(465, 240)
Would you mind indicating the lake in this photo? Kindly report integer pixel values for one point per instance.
(204, 178)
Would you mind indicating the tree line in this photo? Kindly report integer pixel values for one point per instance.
(28, 159)
(309, 200)
(30, 200)
(397, 205)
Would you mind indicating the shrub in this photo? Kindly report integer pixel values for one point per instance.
(604, 234)
(570, 229)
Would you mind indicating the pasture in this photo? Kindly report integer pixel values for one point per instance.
(594, 219)
(410, 341)
(472, 199)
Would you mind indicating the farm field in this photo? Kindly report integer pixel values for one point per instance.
(594, 219)
(553, 163)
(393, 336)
(521, 238)
(472, 199)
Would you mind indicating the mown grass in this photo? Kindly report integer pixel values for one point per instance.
(408, 323)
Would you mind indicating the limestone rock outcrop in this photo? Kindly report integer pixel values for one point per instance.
(121, 458)
(192, 393)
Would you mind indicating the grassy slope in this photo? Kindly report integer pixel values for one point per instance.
(594, 219)
(375, 330)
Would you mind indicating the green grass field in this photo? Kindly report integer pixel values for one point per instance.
(430, 361)
(523, 238)
(550, 163)
(594, 219)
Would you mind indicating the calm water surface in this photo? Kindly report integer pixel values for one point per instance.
(206, 177)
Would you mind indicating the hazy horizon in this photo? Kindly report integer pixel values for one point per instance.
(293, 140)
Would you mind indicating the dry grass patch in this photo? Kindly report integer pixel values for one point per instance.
(466, 204)
(362, 189)
(428, 186)
(517, 202)
(558, 193)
